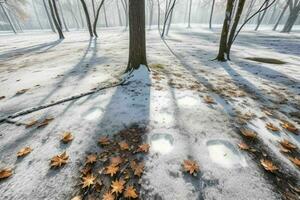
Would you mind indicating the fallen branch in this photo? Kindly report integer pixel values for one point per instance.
(34, 109)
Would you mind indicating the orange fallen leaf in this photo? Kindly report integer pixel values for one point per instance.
(67, 137)
(243, 146)
(45, 122)
(272, 127)
(208, 100)
(248, 133)
(112, 169)
(116, 160)
(130, 192)
(138, 168)
(5, 173)
(31, 123)
(268, 165)
(117, 186)
(144, 148)
(104, 141)
(88, 181)
(268, 112)
(2, 97)
(91, 159)
(24, 151)
(21, 91)
(77, 198)
(108, 196)
(287, 144)
(290, 127)
(284, 150)
(59, 160)
(295, 160)
(123, 145)
(190, 166)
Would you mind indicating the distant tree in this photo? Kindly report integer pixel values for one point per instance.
(281, 14)
(96, 18)
(211, 13)
(261, 16)
(169, 8)
(87, 16)
(48, 16)
(190, 13)
(55, 18)
(294, 6)
(137, 35)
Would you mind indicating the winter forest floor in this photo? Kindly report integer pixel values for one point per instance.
(192, 108)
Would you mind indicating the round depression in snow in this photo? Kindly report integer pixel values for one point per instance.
(93, 114)
(225, 154)
(161, 143)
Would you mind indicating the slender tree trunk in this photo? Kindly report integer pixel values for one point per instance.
(249, 9)
(58, 27)
(137, 35)
(105, 16)
(119, 13)
(170, 22)
(8, 18)
(281, 15)
(48, 16)
(36, 15)
(211, 13)
(80, 14)
(158, 16)
(225, 30)
(57, 13)
(151, 14)
(87, 16)
(62, 16)
(234, 26)
(190, 14)
(73, 14)
(97, 17)
(125, 6)
(292, 18)
(271, 19)
(261, 17)
(94, 9)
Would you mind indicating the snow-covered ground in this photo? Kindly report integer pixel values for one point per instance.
(170, 101)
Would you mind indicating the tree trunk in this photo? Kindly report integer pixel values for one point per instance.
(48, 16)
(234, 26)
(294, 12)
(170, 22)
(36, 15)
(73, 14)
(211, 13)
(190, 13)
(80, 14)
(56, 13)
(137, 35)
(151, 14)
(94, 10)
(105, 16)
(119, 14)
(281, 15)
(62, 16)
(8, 19)
(261, 17)
(87, 16)
(225, 30)
(58, 28)
(97, 17)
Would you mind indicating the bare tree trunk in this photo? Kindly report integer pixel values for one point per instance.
(80, 14)
(150, 13)
(58, 27)
(249, 9)
(125, 6)
(225, 30)
(36, 15)
(94, 10)
(137, 35)
(87, 16)
(8, 19)
(57, 14)
(97, 17)
(73, 14)
(105, 16)
(261, 17)
(271, 19)
(62, 16)
(281, 15)
(190, 13)
(211, 13)
(48, 16)
(170, 22)
(292, 18)
(119, 13)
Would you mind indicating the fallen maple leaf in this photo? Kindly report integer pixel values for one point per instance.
(295, 160)
(24, 151)
(112, 169)
(287, 144)
(5, 173)
(190, 166)
(284, 150)
(243, 146)
(248, 133)
(77, 198)
(21, 91)
(108, 196)
(290, 127)
(144, 148)
(88, 180)
(208, 100)
(123, 145)
(138, 168)
(272, 127)
(59, 160)
(91, 159)
(45, 122)
(116, 160)
(268, 112)
(104, 141)
(67, 137)
(268, 165)
(31, 123)
(2, 97)
(117, 186)
(130, 192)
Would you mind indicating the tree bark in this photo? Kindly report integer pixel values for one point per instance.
(87, 16)
(105, 16)
(97, 17)
(261, 17)
(292, 18)
(137, 35)
(190, 13)
(48, 16)
(211, 13)
(58, 27)
(170, 22)
(281, 15)
(225, 30)
(62, 16)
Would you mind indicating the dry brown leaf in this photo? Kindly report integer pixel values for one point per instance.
(144, 148)
(5, 173)
(123, 145)
(24, 151)
(190, 166)
(108, 196)
(248, 133)
(67, 137)
(268, 165)
(104, 141)
(138, 168)
(208, 100)
(77, 198)
(21, 91)
(130, 192)
(287, 144)
(45, 122)
(295, 160)
(272, 127)
(112, 169)
(284, 150)
(88, 181)
(290, 127)
(117, 186)
(59, 160)
(116, 160)
(91, 159)
(31, 123)
(243, 146)
(2, 97)
(267, 112)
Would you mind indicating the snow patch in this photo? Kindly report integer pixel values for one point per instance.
(162, 143)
